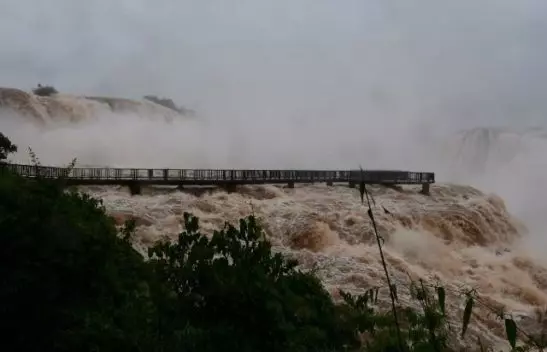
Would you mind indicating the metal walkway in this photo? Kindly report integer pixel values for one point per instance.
(186, 177)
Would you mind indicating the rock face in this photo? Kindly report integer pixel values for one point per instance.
(72, 108)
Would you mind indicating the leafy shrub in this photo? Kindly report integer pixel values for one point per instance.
(239, 296)
(44, 91)
(67, 279)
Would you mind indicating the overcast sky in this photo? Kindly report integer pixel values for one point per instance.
(464, 62)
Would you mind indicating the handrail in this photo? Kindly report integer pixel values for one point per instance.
(222, 175)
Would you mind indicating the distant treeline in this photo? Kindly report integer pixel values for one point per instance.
(168, 103)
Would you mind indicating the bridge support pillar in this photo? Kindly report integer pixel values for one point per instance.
(351, 184)
(329, 183)
(290, 185)
(230, 187)
(180, 187)
(134, 188)
(425, 188)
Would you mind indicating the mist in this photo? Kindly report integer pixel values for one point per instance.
(128, 140)
(457, 63)
(288, 84)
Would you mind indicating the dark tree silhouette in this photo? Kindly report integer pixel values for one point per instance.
(44, 91)
(6, 147)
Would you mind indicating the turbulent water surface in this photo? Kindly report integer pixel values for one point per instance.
(459, 235)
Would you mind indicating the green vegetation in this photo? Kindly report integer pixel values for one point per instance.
(6, 147)
(71, 281)
(44, 91)
(168, 103)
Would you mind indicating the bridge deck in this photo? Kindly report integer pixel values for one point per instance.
(182, 177)
(213, 176)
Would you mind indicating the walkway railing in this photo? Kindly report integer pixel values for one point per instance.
(103, 175)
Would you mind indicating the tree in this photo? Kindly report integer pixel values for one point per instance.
(68, 281)
(6, 147)
(44, 91)
(237, 295)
